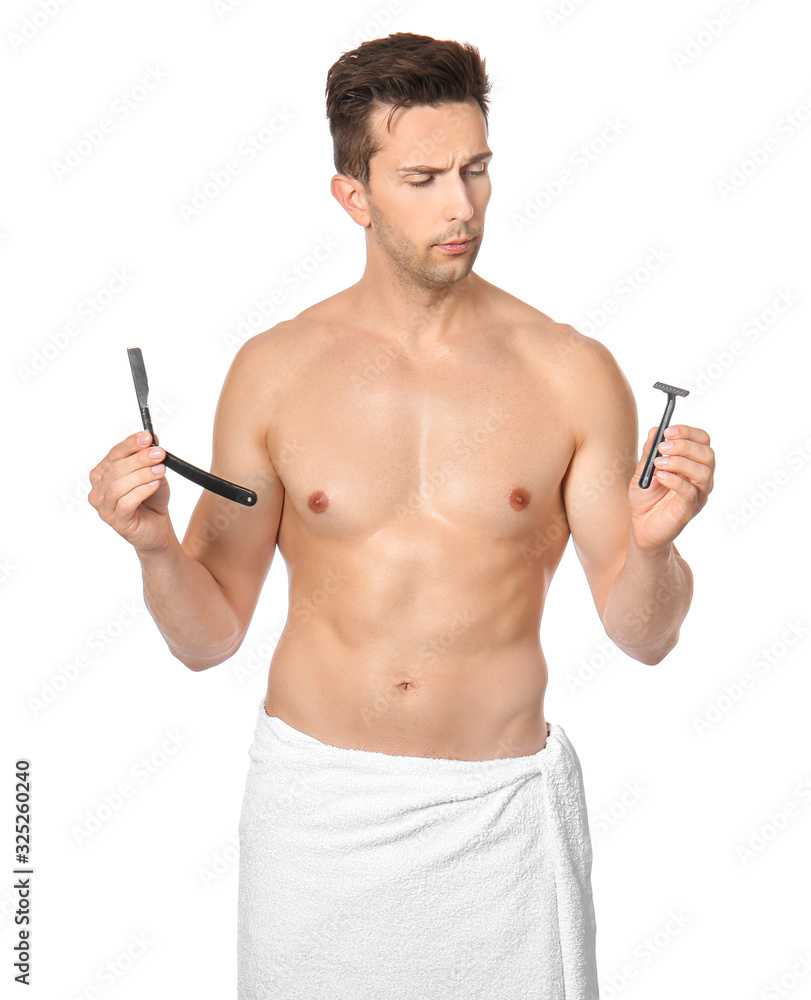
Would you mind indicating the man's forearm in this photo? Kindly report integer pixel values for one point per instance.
(189, 607)
(648, 602)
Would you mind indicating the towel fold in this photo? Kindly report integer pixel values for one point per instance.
(372, 876)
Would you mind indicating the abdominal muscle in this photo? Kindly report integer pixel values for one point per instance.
(479, 707)
(387, 662)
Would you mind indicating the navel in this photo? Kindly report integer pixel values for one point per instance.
(318, 502)
(519, 498)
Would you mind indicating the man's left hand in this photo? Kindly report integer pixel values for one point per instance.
(660, 512)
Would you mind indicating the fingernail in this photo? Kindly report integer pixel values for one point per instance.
(143, 438)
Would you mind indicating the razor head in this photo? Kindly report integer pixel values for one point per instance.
(671, 389)
(141, 388)
(138, 375)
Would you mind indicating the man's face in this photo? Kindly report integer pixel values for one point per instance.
(415, 209)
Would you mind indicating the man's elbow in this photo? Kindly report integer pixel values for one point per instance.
(650, 660)
(649, 655)
(213, 658)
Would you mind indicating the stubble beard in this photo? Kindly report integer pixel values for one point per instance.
(415, 268)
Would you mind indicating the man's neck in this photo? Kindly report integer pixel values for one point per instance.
(418, 317)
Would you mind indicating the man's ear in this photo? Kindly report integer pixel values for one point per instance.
(352, 196)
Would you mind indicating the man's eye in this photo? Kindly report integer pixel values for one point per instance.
(419, 184)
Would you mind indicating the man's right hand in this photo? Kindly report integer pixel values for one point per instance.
(130, 495)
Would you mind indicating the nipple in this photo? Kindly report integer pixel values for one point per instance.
(519, 498)
(318, 502)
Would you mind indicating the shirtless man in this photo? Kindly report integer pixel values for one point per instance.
(422, 445)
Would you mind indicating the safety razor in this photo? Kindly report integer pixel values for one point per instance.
(672, 392)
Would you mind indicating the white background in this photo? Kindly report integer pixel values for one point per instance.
(671, 807)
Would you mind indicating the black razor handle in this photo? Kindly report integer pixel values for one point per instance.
(647, 472)
(672, 392)
(222, 487)
(210, 482)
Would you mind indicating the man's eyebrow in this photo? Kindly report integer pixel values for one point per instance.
(423, 169)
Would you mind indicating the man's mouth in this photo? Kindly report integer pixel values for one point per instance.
(457, 246)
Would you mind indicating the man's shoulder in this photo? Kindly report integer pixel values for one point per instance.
(539, 332)
(582, 373)
(278, 349)
(551, 341)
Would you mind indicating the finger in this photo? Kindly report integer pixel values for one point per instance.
(696, 472)
(686, 490)
(114, 468)
(697, 434)
(130, 502)
(106, 478)
(683, 446)
(117, 489)
(129, 446)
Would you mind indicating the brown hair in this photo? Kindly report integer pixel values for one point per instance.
(402, 70)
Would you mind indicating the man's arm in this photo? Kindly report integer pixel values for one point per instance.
(202, 593)
(642, 593)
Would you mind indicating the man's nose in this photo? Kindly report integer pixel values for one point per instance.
(458, 205)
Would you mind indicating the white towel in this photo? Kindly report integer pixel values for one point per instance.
(372, 876)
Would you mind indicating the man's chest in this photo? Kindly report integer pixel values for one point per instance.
(479, 444)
